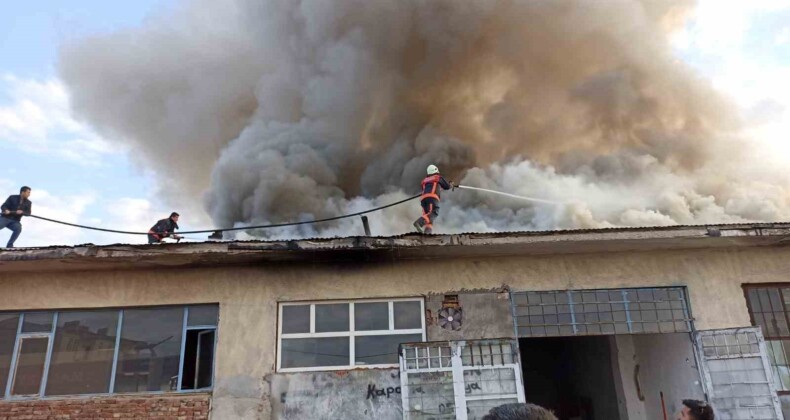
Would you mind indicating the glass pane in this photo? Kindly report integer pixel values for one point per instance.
(202, 315)
(30, 366)
(205, 360)
(331, 317)
(776, 299)
(82, 353)
(8, 327)
(150, 350)
(312, 352)
(407, 315)
(371, 316)
(781, 324)
(770, 328)
(37, 322)
(296, 319)
(765, 300)
(381, 349)
(754, 300)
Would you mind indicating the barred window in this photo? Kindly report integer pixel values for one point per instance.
(768, 308)
(601, 312)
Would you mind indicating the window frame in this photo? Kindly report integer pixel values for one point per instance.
(779, 287)
(6, 395)
(186, 327)
(350, 333)
(12, 371)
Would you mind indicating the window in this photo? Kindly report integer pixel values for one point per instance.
(487, 371)
(82, 353)
(148, 356)
(9, 324)
(107, 351)
(601, 312)
(30, 356)
(200, 339)
(343, 335)
(768, 308)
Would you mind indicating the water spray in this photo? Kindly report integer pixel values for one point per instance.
(520, 197)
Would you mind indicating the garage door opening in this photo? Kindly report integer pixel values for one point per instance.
(571, 376)
(610, 377)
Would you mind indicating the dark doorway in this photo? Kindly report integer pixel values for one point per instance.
(571, 376)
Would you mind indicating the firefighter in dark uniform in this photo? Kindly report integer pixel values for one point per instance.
(163, 229)
(431, 187)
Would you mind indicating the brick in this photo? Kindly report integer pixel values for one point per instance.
(171, 407)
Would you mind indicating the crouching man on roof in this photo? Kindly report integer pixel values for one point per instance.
(13, 209)
(163, 229)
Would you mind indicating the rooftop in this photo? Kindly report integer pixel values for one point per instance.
(408, 246)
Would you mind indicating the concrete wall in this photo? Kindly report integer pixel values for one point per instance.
(485, 315)
(248, 295)
(368, 393)
(665, 364)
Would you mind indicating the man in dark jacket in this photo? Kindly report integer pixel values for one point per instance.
(432, 185)
(696, 410)
(13, 209)
(163, 229)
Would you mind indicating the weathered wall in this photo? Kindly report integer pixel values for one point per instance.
(629, 402)
(360, 393)
(666, 364)
(248, 295)
(485, 315)
(168, 407)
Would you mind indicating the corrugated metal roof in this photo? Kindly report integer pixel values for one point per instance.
(399, 247)
(479, 235)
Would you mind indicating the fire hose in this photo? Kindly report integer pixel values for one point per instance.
(306, 222)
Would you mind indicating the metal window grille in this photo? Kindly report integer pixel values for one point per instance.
(601, 312)
(768, 309)
(737, 374)
(463, 379)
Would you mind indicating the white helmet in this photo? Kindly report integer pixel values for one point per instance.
(432, 170)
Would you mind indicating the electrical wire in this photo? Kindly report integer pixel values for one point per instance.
(274, 225)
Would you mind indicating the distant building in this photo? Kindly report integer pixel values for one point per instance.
(604, 324)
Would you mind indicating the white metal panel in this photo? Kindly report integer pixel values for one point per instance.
(737, 375)
(460, 379)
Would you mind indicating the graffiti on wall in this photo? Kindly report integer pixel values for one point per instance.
(340, 394)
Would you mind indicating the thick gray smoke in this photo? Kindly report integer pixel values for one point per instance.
(282, 110)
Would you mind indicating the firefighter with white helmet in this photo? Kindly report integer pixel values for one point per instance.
(430, 198)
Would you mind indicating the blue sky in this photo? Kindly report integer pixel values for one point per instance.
(742, 47)
(75, 175)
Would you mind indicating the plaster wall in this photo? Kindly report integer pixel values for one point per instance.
(248, 295)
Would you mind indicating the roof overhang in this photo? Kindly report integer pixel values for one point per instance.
(404, 247)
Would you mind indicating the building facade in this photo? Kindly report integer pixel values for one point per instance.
(615, 324)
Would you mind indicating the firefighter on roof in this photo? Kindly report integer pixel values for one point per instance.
(431, 187)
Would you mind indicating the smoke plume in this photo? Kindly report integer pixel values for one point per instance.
(285, 110)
